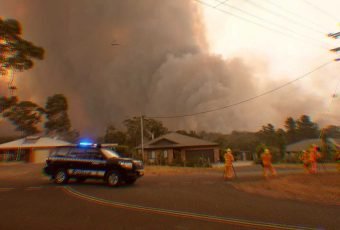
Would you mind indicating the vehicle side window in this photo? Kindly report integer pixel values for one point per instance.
(60, 152)
(94, 154)
(77, 153)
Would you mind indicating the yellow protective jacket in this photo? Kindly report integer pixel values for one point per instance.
(228, 158)
(266, 159)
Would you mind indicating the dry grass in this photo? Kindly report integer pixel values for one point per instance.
(322, 188)
(286, 165)
(172, 170)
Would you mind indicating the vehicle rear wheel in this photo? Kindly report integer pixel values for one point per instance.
(113, 179)
(61, 177)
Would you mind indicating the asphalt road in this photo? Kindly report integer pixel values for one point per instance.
(28, 200)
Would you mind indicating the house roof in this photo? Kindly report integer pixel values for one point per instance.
(305, 144)
(174, 140)
(34, 142)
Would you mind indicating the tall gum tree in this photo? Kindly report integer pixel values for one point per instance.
(15, 52)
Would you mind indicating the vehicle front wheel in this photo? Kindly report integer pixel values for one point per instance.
(113, 179)
(61, 177)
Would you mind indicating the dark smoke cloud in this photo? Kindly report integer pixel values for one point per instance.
(161, 67)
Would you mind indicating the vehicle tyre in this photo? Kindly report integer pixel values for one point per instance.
(61, 177)
(130, 180)
(113, 179)
(81, 180)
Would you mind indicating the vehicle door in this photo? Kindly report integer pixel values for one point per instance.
(79, 163)
(58, 159)
(98, 162)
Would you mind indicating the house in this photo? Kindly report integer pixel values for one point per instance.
(33, 149)
(293, 150)
(299, 146)
(175, 148)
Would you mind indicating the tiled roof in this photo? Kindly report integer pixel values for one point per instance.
(34, 142)
(177, 140)
(305, 144)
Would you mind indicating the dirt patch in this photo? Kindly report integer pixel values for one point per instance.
(321, 188)
(171, 170)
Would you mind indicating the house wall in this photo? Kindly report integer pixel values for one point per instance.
(180, 154)
(216, 155)
(199, 154)
(158, 156)
(170, 156)
(211, 152)
(14, 155)
(40, 155)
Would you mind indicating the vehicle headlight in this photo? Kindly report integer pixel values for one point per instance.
(126, 164)
(139, 164)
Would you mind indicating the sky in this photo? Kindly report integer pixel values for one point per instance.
(181, 57)
(281, 40)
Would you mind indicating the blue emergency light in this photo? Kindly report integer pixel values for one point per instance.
(85, 144)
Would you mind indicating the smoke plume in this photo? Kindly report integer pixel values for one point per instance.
(161, 66)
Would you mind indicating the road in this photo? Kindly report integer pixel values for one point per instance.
(28, 200)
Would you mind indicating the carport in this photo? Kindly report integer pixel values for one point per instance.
(33, 149)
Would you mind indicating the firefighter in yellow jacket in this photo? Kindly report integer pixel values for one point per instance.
(228, 163)
(314, 155)
(305, 160)
(266, 158)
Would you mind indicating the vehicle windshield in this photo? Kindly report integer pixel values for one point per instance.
(109, 153)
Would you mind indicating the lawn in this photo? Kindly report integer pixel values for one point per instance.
(321, 188)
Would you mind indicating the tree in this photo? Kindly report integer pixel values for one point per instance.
(7, 102)
(25, 115)
(332, 131)
(71, 136)
(15, 52)
(58, 122)
(152, 128)
(112, 135)
(306, 128)
(274, 139)
(281, 142)
(133, 131)
(244, 141)
(291, 130)
(267, 134)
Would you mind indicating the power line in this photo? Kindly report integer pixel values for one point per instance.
(283, 16)
(322, 11)
(305, 41)
(295, 14)
(275, 24)
(245, 100)
(220, 3)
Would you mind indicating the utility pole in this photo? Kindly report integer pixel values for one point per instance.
(142, 135)
(337, 49)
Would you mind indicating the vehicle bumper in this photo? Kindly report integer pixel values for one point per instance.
(47, 170)
(135, 174)
(140, 172)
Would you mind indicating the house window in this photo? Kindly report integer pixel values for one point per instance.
(152, 155)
